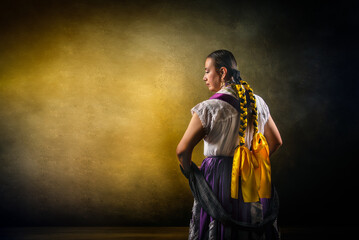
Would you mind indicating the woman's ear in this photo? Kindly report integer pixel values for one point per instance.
(223, 71)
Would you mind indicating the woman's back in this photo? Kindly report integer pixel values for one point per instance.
(233, 175)
(221, 122)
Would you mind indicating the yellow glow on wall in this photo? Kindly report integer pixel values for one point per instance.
(93, 107)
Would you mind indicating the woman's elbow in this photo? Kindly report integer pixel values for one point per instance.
(277, 140)
(277, 145)
(181, 150)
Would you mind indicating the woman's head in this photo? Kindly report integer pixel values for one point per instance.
(221, 70)
(220, 66)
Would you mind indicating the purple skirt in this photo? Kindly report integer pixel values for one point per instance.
(217, 171)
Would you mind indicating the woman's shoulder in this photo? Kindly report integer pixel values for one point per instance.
(207, 111)
(258, 97)
(215, 109)
(210, 105)
(262, 107)
(260, 100)
(217, 104)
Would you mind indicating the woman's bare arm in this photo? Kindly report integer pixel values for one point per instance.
(272, 136)
(194, 133)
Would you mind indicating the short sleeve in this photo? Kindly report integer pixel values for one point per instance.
(264, 112)
(204, 112)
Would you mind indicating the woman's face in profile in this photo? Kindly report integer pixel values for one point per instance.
(211, 77)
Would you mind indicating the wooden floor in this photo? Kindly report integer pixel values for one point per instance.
(94, 233)
(151, 233)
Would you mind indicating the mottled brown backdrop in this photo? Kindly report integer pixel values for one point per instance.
(95, 96)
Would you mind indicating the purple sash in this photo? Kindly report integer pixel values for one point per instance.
(227, 98)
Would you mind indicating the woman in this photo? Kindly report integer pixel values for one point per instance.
(218, 123)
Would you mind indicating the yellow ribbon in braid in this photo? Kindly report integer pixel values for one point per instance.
(243, 116)
(252, 165)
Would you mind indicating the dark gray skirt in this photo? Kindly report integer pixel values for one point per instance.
(217, 216)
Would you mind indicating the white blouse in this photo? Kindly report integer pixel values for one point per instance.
(221, 122)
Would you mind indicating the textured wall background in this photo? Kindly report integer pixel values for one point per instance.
(95, 96)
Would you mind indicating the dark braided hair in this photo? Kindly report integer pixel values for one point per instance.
(242, 90)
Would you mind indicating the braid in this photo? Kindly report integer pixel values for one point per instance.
(243, 116)
(237, 85)
(253, 104)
